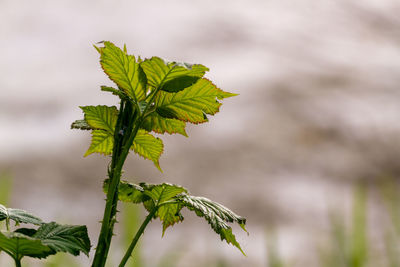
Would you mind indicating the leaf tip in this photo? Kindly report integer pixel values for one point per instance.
(157, 164)
(97, 49)
(243, 226)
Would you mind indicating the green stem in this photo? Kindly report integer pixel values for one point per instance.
(126, 119)
(137, 237)
(124, 142)
(8, 224)
(17, 262)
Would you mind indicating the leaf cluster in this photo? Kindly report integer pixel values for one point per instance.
(164, 97)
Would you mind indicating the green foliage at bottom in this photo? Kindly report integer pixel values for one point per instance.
(47, 239)
(168, 200)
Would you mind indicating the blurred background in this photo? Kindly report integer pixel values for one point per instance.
(308, 152)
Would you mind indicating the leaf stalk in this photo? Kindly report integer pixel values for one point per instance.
(137, 237)
(17, 262)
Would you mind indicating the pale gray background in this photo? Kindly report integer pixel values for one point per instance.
(318, 108)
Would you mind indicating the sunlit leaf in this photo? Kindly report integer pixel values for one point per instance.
(191, 104)
(101, 117)
(169, 214)
(148, 146)
(171, 76)
(123, 69)
(154, 122)
(102, 143)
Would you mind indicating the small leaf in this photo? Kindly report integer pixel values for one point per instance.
(114, 91)
(81, 124)
(102, 142)
(19, 216)
(144, 144)
(123, 69)
(101, 117)
(64, 238)
(171, 76)
(169, 215)
(161, 194)
(148, 147)
(151, 195)
(18, 245)
(128, 192)
(192, 103)
(216, 215)
(158, 124)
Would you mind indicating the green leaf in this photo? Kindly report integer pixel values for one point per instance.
(101, 117)
(216, 215)
(154, 122)
(102, 142)
(19, 216)
(49, 239)
(123, 69)
(18, 245)
(161, 194)
(148, 146)
(153, 195)
(128, 192)
(114, 91)
(64, 238)
(170, 199)
(171, 76)
(81, 124)
(191, 104)
(144, 144)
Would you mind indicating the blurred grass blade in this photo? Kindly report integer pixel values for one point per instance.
(5, 190)
(359, 239)
(131, 222)
(391, 199)
(5, 187)
(274, 258)
(392, 250)
(61, 260)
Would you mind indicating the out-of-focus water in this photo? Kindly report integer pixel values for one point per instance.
(318, 105)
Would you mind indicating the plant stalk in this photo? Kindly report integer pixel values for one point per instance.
(137, 237)
(129, 125)
(119, 156)
(17, 262)
(114, 174)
